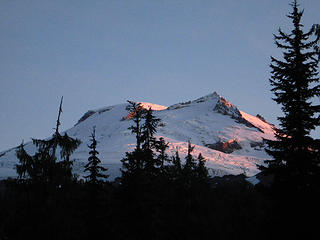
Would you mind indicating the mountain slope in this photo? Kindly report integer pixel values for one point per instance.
(228, 138)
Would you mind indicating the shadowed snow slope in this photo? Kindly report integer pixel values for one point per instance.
(205, 121)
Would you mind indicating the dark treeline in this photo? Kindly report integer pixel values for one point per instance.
(159, 196)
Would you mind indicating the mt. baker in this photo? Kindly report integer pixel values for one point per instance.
(229, 139)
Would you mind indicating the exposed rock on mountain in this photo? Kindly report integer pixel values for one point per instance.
(226, 147)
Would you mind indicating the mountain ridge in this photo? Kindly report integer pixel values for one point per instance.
(231, 140)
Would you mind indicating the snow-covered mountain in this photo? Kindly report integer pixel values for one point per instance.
(231, 140)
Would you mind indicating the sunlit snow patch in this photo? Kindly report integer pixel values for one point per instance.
(153, 106)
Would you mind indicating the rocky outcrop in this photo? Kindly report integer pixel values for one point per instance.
(247, 123)
(85, 116)
(213, 96)
(261, 118)
(226, 108)
(102, 110)
(91, 112)
(264, 120)
(226, 147)
(221, 105)
(179, 105)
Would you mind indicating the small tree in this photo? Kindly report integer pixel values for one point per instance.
(92, 166)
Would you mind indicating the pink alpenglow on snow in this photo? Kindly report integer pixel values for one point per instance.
(154, 107)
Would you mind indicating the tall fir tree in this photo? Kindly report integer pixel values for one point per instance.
(295, 82)
(95, 170)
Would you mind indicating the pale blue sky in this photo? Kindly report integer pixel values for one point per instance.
(101, 53)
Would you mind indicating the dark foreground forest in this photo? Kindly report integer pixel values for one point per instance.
(163, 197)
(222, 209)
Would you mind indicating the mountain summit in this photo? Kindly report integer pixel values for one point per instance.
(231, 140)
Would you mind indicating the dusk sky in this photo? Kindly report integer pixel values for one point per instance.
(101, 53)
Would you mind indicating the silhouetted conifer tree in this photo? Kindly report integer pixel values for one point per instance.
(161, 147)
(176, 164)
(202, 171)
(26, 163)
(141, 164)
(132, 164)
(295, 83)
(190, 163)
(43, 165)
(189, 168)
(136, 112)
(95, 171)
(175, 168)
(149, 128)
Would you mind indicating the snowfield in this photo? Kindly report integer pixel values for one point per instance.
(230, 140)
